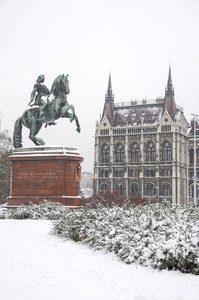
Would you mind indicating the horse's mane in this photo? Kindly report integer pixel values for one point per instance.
(58, 88)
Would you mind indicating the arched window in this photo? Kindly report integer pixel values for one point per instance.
(166, 152)
(119, 189)
(150, 189)
(150, 152)
(135, 153)
(120, 153)
(134, 189)
(104, 188)
(105, 154)
(166, 191)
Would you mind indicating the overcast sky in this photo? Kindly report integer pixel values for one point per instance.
(135, 39)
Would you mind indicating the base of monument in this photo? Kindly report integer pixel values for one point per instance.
(45, 173)
(26, 200)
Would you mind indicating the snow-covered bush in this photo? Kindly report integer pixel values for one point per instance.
(45, 210)
(163, 237)
(109, 199)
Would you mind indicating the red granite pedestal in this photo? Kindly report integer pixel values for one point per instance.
(42, 172)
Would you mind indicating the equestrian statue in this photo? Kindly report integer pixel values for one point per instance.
(47, 111)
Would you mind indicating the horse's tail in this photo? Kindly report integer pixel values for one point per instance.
(17, 137)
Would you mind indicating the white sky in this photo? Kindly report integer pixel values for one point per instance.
(135, 39)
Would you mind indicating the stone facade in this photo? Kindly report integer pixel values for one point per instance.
(141, 149)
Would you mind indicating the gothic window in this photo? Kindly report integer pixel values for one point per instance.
(134, 189)
(104, 132)
(150, 189)
(166, 172)
(119, 173)
(166, 152)
(191, 156)
(150, 173)
(104, 188)
(150, 152)
(105, 173)
(169, 172)
(192, 192)
(120, 153)
(134, 173)
(119, 189)
(105, 155)
(166, 189)
(165, 127)
(134, 153)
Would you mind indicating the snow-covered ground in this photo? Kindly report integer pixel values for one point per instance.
(35, 264)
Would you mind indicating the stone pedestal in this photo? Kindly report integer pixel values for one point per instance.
(42, 172)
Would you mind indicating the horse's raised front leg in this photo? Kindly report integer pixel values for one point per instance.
(69, 115)
(64, 112)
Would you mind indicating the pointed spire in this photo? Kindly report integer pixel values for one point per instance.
(109, 90)
(109, 102)
(169, 100)
(109, 94)
(169, 88)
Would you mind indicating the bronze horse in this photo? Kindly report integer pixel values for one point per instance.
(57, 108)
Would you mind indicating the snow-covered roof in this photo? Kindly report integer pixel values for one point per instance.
(134, 115)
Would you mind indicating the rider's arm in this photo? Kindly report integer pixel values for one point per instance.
(32, 96)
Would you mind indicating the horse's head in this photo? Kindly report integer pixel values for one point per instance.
(64, 82)
(60, 86)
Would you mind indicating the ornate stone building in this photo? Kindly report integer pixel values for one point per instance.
(141, 148)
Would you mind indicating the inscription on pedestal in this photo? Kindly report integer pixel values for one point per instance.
(37, 176)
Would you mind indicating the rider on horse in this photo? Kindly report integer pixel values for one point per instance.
(47, 112)
(40, 90)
